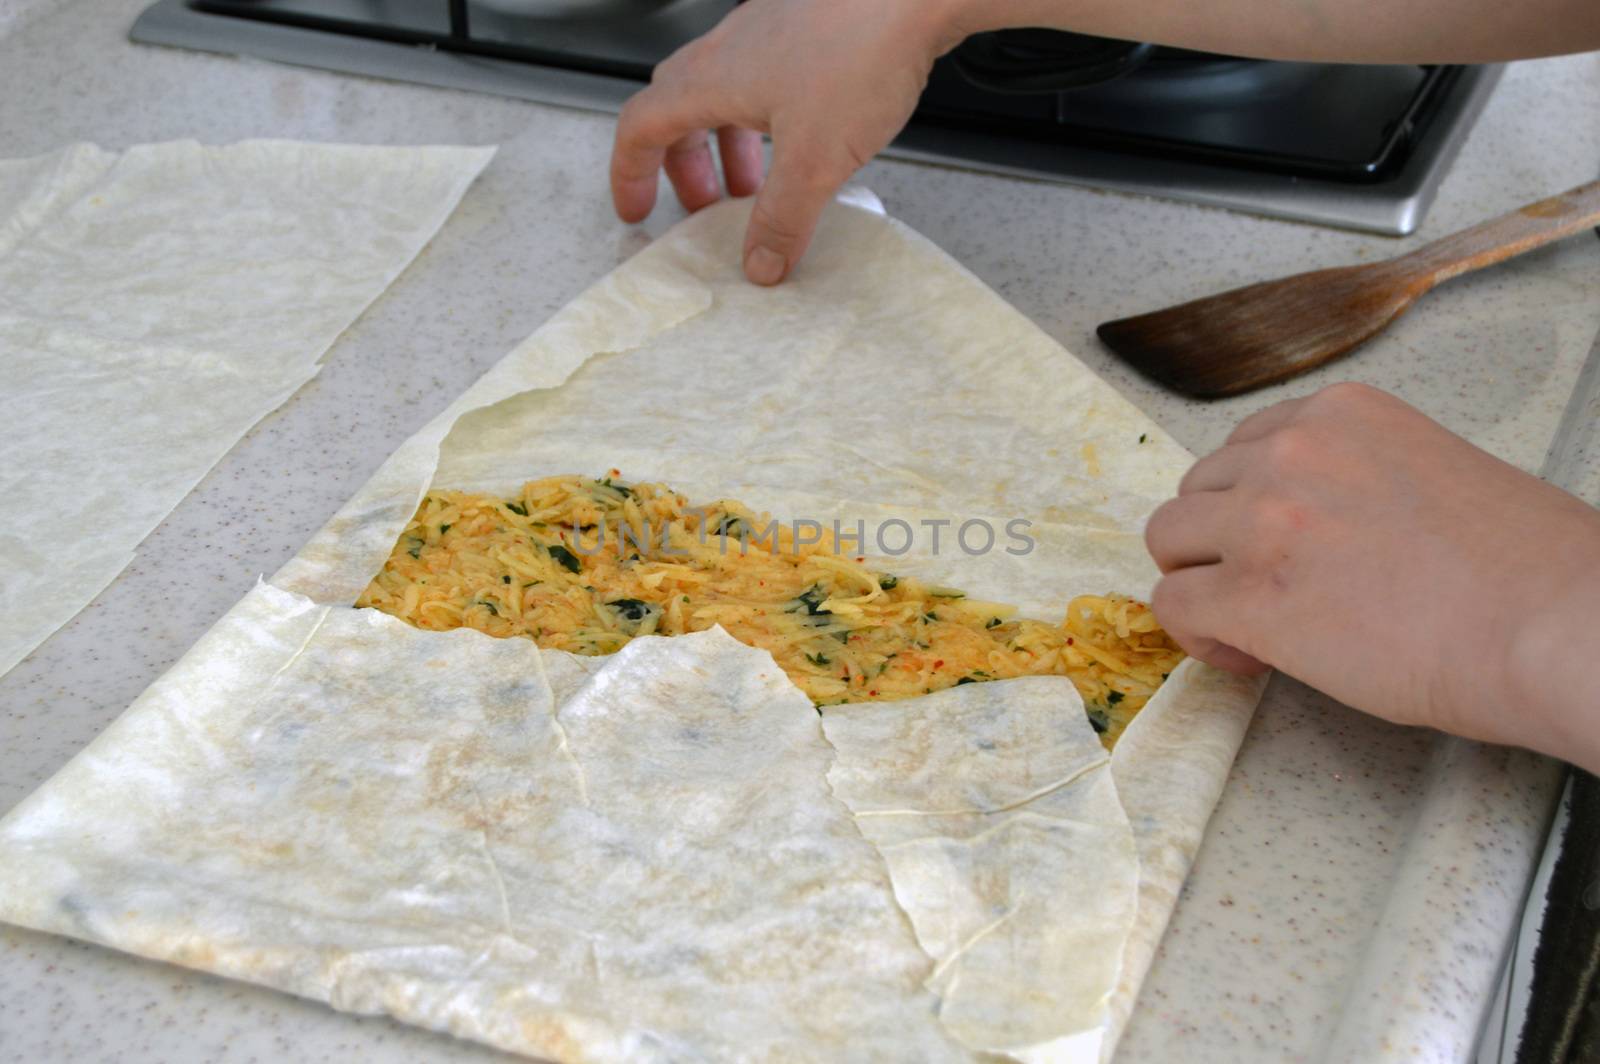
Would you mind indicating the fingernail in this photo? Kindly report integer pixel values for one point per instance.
(764, 266)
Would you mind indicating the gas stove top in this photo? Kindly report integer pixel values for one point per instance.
(1360, 147)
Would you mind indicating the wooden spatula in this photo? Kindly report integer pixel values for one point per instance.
(1253, 336)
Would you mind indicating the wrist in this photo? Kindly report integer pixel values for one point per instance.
(960, 19)
(949, 22)
(1551, 664)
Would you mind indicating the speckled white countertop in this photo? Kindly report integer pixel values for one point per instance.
(1354, 895)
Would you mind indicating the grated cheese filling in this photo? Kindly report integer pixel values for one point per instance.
(586, 565)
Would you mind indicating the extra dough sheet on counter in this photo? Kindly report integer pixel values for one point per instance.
(154, 305)
(667, 853)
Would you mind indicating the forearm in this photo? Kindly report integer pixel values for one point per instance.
(1372, 31)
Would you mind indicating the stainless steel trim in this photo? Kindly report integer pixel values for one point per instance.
(1392, 207)
(172, 22)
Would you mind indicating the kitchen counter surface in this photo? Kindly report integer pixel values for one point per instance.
(1355, 893)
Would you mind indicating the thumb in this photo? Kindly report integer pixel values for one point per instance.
(799, 186)
(1190, 601)
(1224, 657)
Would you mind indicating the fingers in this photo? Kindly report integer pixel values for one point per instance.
(1220, 470)
(802, 182)
(660, 129)
(1190, 604)
(655, 121)
(1188, 531)
(741, 159)
(692, 171)
(637, 152)
(690, 167)
(1263, 422)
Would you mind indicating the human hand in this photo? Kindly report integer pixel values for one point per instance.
(832, 81)
(1356, 545)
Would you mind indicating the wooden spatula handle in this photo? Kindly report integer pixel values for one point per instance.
(1501, 238)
